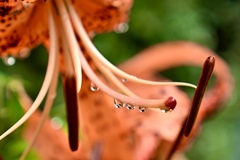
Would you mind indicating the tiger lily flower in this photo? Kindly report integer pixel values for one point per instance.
(65, 27)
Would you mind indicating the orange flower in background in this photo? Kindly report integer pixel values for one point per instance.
(93, 86)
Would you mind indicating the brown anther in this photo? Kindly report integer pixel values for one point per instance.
(201, 87)
(71, 110)
(171, 103)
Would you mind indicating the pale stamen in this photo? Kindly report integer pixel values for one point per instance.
(111, 77)
(50, 97)
(46, 83)
(161, 103)
(71, 42)
(97, 56)
(66, 54)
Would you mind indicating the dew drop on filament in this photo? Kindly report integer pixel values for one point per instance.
(142, 109)
(93, 87)
(121, 28)
(129, 106)
(124, 80)
(117, 103)
(166, 111)
(9, 61)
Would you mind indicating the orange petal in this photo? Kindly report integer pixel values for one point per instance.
(22, 25)
(102, 15)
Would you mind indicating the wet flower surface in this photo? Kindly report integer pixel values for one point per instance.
(93, 86)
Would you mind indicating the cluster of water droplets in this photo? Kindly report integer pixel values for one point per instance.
(119, 104)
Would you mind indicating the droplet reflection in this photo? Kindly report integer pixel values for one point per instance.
(117, 103)
(129, 106)
(142, 109)
(124, 80)
(93, 87)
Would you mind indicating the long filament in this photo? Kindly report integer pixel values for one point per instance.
(71, 40)
(43, 90)
(96, 55)
(135, 101)
(51, 93)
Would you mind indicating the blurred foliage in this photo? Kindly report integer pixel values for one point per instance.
(214, 24)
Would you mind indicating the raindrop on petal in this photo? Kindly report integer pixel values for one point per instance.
(93, 87)
(9, 61)
(118, 104)
(121, 28)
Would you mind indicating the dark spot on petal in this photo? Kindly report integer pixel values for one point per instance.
(102, 128)
(98, 101)
(97, 116)
(83, 94)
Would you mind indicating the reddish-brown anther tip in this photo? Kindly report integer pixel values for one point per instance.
(210, 59)
(171, 103)
(71, 110)
(198, 96)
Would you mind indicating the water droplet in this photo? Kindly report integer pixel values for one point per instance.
(142, 109)
(93, 87)
(118, 104)
(124, 80)
(129, 106)
(166, 111)
(117, 3)
(121, 28)
(56, 123)
(9, 61)
(24, 52)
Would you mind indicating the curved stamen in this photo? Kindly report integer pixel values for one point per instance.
(71, 41)
(111, 77)
(50, 97)
(46, 83)
(97, 56)
(163, 104)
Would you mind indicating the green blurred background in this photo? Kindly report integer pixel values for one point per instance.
(215, 24)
